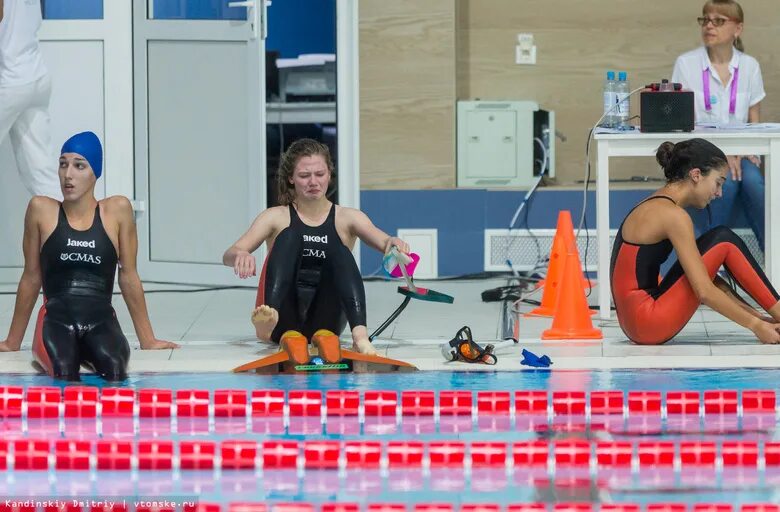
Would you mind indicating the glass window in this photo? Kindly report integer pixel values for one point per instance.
(72, 9)
(291, 34)
(196, 10)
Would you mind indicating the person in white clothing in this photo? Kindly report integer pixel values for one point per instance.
(25, 90)
(728, 90)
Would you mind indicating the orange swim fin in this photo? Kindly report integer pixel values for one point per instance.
(293, 347)
(332, 353)
(296, 345)
(279, 357)
(357, 356)
(328, 346)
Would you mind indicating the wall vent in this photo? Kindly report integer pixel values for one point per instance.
(529, 248)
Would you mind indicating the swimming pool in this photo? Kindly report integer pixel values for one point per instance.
(626, 380)
(597, 437)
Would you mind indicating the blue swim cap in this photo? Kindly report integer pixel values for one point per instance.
(87, 145)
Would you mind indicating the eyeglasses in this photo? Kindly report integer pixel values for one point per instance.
(716, 22)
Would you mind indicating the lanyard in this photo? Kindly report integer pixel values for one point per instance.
(705, 78)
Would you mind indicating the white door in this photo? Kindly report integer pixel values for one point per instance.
(199, 134)
(95, 39)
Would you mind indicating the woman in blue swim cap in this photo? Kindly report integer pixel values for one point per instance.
(72, 249)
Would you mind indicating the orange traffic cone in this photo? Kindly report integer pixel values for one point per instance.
(562, 243)
(566, 228)
(572, 315)
(553, 280)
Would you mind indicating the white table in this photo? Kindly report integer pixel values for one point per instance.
(635, 143)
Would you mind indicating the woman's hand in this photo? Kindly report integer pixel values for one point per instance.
(735, 165)
(767, 332)
(394, 241)
(244, 265)
(156, 344)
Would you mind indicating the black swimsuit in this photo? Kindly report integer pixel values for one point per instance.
(312, 280)
(79, 324)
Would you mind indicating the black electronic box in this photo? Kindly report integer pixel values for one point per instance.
(666, 107)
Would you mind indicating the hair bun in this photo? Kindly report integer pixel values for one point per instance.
(664, 155)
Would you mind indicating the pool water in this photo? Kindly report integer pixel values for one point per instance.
(626, 380)
(715, 483)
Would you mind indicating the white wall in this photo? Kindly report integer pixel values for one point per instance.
(90, 63)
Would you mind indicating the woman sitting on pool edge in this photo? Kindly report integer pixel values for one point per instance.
(310, 280)
(72, 250)
(652, 313)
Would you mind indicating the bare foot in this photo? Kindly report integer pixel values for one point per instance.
(265, 319)
(364, 346)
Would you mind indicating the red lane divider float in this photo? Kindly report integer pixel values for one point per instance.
(90, 402)
(402, 507)
(238, 454)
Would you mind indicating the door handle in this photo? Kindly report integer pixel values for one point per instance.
(251, 6)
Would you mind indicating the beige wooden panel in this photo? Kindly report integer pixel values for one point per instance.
(407, 94)
(577, 41)
(418, 57)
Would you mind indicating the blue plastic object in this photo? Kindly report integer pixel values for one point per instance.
(531, 359)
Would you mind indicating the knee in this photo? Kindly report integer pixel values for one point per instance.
(112, 369)
(720, 234)
(112, 366)
(749, 167)
(752, 178)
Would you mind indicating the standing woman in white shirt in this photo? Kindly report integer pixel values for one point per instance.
(25, 90)
(728, 90)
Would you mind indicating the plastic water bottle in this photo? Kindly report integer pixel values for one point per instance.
(623, 111)
(610, 97)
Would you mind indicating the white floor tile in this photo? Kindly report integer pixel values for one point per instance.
(747, 346)
(216, 334)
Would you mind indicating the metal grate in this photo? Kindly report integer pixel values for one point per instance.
(526, 249)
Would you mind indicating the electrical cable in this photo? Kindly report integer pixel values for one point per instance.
(525, 204)
(582, 222)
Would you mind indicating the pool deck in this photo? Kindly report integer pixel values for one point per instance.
(215, 333)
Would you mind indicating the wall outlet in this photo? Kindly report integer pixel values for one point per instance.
(525, 51)
(525, 56)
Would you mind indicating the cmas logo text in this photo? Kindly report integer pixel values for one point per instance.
(81, 257)
(314, 253)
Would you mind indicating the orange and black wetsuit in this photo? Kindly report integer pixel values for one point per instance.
(652, 313)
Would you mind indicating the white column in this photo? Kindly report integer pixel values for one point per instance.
(348, 106)
(119, 149)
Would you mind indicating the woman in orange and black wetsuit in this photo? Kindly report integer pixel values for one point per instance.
(650, 312)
